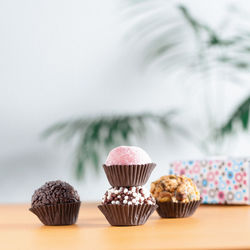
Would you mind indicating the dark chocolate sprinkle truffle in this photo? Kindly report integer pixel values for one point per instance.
(54, 192)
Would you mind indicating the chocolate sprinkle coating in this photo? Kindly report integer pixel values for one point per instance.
(54, 192)
(128, 196)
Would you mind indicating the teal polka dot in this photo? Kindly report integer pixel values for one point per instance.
(238, 196)
(222, 185)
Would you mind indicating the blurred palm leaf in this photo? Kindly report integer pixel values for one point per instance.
(167, 33)
(240, 115)
(170, 36)
(96, 136)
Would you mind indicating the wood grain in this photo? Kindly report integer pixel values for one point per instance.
(211, 227)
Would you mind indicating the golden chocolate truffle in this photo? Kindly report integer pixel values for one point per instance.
(174, 188)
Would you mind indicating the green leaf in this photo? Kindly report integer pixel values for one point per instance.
(79, 168)
(95, 160)
(240, 115)
(100, 134)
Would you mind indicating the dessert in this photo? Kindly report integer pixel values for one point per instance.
(128, 166)
(127, 203)
(127, 155)
(56, 203)
(128, 196)
(176, 196)
(127, 206)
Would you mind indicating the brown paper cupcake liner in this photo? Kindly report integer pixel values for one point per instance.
(127, 215)
(177, 209)
(59, 214)
(128, 175)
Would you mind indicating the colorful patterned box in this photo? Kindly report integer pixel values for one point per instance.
(219, 181)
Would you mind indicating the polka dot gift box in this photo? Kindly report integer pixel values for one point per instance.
(219, 181)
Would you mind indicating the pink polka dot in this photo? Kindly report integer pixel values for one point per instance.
(228, 182)
(221, 195)
(245, 198)
(210, 176)
(196, 168)
(217, 172)
(216, 183)
(229, 164)
(245, 182)
(182, 172)
(235, 187)
(238, 177)
(204, 191)
(244, 174)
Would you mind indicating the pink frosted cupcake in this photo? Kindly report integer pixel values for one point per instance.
(128, 166)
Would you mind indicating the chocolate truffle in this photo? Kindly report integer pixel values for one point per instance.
(175, 188)
(127, 155)
(54, 192)
(128, 196)
(56, 203)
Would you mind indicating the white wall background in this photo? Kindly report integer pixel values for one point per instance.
(63, 59)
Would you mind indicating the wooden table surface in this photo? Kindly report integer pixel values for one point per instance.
(211, 227)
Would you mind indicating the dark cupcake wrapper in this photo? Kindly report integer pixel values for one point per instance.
(57, 215)
(128, 175)
(127, 215)
(177, 209)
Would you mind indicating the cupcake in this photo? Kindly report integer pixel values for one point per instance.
(56, 203)
(127, 206)
(176, 196)
(128, 166)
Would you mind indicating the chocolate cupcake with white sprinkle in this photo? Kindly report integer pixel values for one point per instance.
(128, 196)
(127, 206)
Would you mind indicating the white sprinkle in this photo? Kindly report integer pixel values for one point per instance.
(129, 192)
(112, 202)
(116, 191)
(125, 202)
(134, 201)
(133, 189)
(129, 203)
(125, 190)
(126, 197)
(150, 202)
(118, 196)
(117, 202)
(134, 194)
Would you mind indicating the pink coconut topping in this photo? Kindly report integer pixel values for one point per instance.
(126, 155)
